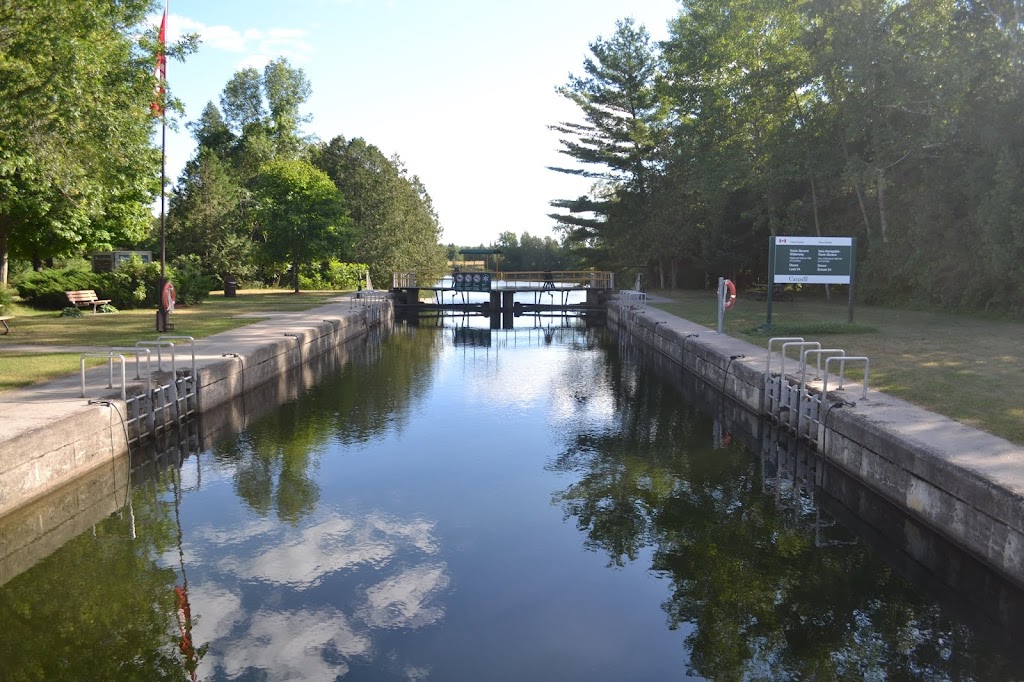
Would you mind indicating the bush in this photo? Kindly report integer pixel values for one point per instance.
(71, 311)
(45, 289)
(332, 275)
(191, 284)
(133, 284)
(6, 297)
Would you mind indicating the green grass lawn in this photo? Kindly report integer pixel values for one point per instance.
(969, 369)
(124, 328)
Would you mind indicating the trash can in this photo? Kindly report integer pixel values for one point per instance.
(230, 287)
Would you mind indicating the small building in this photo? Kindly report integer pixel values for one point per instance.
(107, 261)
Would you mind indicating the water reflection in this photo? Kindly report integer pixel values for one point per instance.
(766, 588)
(273, 459)
(538, 506)
(306, 606)
(108, 590)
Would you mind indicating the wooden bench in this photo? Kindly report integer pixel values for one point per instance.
(3, 321)
(86, 297)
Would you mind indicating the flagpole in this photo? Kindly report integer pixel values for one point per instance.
(162, 313)
(163, 196)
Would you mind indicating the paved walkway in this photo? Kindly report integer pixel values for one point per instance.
(41, 405)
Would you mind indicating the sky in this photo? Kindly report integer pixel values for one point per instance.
(461, 90)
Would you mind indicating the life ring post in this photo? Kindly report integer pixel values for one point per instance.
(166, 298)
(726, 299)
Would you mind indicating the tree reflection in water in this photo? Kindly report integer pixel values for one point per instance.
(272, 458)
(116, 595)
(760, 599)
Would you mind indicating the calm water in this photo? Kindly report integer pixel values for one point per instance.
(531, 504)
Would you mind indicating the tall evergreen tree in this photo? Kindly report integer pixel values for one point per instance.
(616, 145)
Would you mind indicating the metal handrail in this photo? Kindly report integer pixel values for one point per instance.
(137, 352)
(818, 352)
(768, 364)
(842, 365)
(798, 344)
(159, 355)
(191, 343)
(632, 295)
(594, 279)
(110, 360)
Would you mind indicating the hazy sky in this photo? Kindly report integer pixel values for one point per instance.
(461, 90)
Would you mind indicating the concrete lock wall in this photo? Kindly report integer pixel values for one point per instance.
(71, 438)
(963, 483)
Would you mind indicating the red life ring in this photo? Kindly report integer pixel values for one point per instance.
(167, 297)
(731, 298)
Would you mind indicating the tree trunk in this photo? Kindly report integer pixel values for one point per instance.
(817, 227)
(860, 195)
(4, 231)
(883, 219)
(295, 269)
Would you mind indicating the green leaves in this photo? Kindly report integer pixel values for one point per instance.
(77, 168)
(301, 215)
(395, 227)
(896, 123)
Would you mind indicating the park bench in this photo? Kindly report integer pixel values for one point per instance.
(759, 292)
(86, 297)
(3, 321)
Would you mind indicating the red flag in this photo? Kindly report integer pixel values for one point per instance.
(160, 72)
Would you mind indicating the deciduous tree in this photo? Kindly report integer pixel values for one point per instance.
(300, 215)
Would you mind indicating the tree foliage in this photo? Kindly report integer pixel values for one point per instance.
(300, 215)
(77, 168)
(237, 210)
(396, 229)
(895, 123)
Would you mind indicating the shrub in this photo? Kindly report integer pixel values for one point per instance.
(332, 275)
(6, 297)
(45, 289)
(191, 284)
(71, 311)
(133, 284)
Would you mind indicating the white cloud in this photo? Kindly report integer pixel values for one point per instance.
(406, 600)
(315, 643)
(332, 545)
(292, 645)
(256, 45)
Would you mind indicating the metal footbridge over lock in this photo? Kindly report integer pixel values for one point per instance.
(494, 292)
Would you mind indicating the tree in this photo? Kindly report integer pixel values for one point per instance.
(77, 169)
(266, 107)
(300, 215)
(395, 226)
(624, 114)
(207, 217)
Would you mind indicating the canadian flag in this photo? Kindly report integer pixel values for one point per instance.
(160, 72)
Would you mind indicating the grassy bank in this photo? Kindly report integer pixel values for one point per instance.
(48, 328)
(969, 369)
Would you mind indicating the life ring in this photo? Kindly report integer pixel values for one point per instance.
(730, 299)
(167, 297)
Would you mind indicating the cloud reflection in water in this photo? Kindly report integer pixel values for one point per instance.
(400, 585)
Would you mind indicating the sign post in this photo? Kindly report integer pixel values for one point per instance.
(811, 260)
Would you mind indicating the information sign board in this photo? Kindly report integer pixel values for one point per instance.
(812, 260)
(471, 281)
